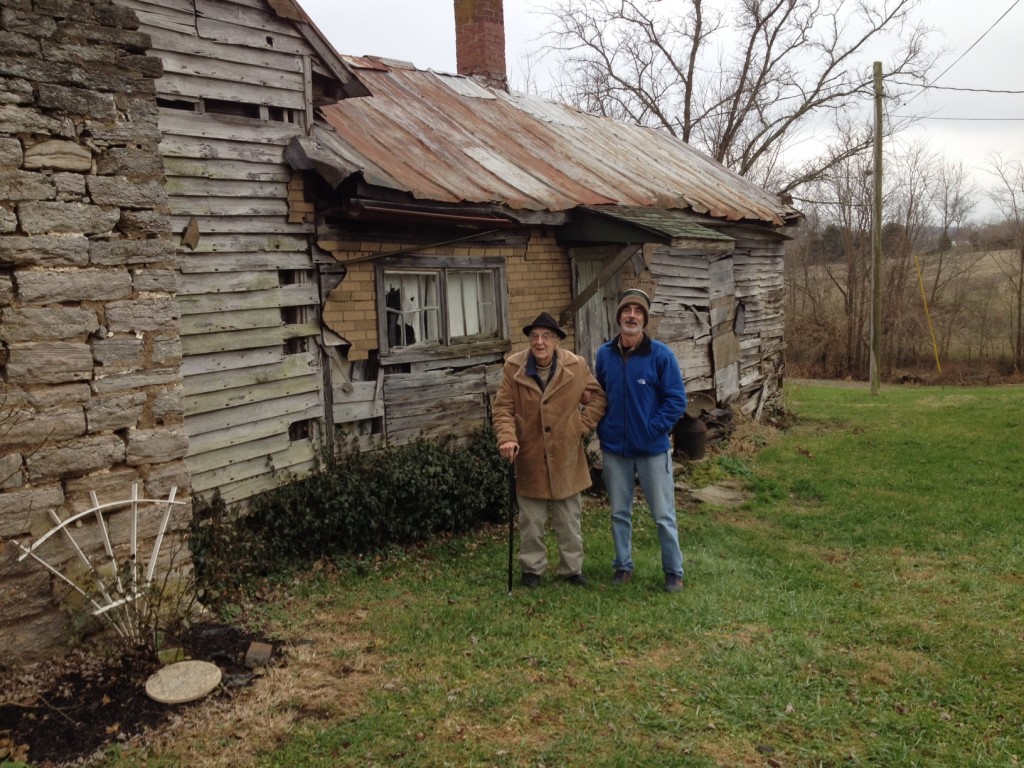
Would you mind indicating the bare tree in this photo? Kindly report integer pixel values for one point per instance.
(742, 84)
(1008, 196)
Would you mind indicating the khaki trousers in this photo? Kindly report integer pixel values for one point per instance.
(565, 521)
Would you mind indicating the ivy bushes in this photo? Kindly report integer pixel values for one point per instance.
(362, 503)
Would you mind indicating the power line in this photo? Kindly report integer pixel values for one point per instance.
(1013, 5)
(952, 88)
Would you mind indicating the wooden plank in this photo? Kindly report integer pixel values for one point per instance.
(236, 262)
(184, 40)
(218, 322)
(227, 206)
(266, 242)
(189, 64)
(228, 128)
(172, 145)
(261, 234)
(243, 433)
(247, 15)
(211, 461)
(282, 296)
(265, 472)
(243, 188)
(300, 364)
(235, 34)
(256, 392)
(238, 170)
(197, 365)
(248, 339)
(190, 86)
(239, 493)
(227, 282)
(163, 16)
(212, 421)
(365, 401)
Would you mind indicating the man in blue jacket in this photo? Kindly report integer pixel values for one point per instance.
(646, 397)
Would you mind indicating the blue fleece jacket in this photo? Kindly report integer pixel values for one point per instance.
(646, 397)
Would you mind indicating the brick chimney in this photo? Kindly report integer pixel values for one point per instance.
(480, 41)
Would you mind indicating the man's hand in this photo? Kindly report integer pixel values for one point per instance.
(509, 450)
(586, 397)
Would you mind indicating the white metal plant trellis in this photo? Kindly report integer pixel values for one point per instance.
(117, 593)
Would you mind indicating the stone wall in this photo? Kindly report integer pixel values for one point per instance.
(92, 397)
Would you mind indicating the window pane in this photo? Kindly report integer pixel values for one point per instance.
(411, 307)
(471, 304)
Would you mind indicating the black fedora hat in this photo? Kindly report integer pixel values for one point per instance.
(544, 320)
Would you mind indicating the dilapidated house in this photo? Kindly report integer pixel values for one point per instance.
(224, 247)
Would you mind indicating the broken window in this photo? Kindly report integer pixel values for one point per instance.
(443, 305)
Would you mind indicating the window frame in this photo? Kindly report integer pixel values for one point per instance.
(446, 346)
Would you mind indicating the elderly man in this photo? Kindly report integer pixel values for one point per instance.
(646, 397)
(541, 421)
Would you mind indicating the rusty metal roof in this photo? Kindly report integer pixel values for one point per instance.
(446, 138)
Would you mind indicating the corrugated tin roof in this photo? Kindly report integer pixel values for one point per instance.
(447, 138)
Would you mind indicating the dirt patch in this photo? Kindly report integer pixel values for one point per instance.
(65, 710)
(722, 495)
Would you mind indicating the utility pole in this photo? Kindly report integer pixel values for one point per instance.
(876, 241)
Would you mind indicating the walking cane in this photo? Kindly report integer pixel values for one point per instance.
(511, 519)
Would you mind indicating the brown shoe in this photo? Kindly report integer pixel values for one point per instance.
(622, 577)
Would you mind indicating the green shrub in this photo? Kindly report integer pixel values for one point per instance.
(360, 504)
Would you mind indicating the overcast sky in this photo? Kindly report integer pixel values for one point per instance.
(964, 126)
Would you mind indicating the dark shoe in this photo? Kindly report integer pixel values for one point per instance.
(530, 580)
(673, 583)
(577, 580)
(622, 577)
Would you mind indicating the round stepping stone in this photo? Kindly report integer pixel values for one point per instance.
(183, 681)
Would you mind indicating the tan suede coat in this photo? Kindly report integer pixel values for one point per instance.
(549, 426)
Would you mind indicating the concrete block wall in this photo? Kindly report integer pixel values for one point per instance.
(90, 349)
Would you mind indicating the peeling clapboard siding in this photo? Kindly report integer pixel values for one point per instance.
(247, 290)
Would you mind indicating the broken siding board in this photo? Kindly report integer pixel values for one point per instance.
(243, 433)
(236, 235)
(291, 406)
(301, 364)
(248, 339)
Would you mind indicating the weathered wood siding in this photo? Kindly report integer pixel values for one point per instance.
(247, 288)
(760, 295)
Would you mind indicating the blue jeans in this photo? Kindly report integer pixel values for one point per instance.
(655, 473)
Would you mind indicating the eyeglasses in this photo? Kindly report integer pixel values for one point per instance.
(544, 336)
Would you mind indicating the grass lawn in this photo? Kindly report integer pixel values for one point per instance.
(862, 608)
